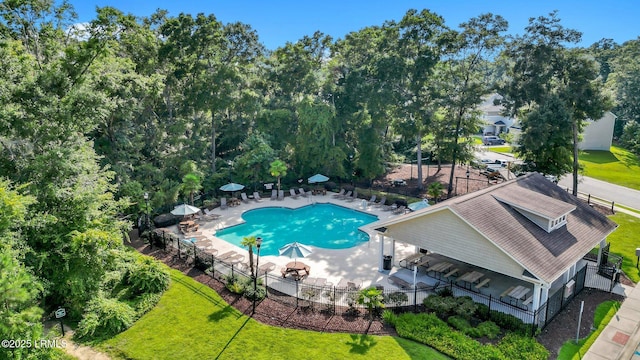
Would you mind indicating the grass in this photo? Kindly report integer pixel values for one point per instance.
(624, 243)
(192, 321)
(501, 149)
(617, 166)
(603, 314)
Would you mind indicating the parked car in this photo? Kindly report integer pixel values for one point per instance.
(398, 182)
(492, 140)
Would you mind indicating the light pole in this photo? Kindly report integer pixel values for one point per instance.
(255, 275)
(467, 179)
(146, 200)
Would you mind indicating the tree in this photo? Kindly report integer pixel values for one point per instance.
(253, 163)
(190, 184)
(545, 144)
(463, 84)
(278, 169)
(541, 65)
(371, 298)
(435, 190)
(250, 242)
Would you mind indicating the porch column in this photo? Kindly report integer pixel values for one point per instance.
(380, 258)
(544, 295)
(603, 243)
(393, 251)
(536, 296)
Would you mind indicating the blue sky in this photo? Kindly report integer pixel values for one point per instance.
(281, 21)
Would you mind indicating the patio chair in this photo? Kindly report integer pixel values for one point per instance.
(302, 192)
(372, 200)
(244, 198)
(281, 195)
(400, 209)
(256, 196)
(381, 202)
(355, 196)
(265, 268)
(345, 195)
(339, 194)
(223, 203)
(293, 193)
(274, 194)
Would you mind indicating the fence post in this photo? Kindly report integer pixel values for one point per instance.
(179, 250)
(334, 300)
(490, 300)
(213, 267)
(415, 299)
(612, 207)
(589, 199)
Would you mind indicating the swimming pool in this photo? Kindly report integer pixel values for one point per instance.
(327, 226)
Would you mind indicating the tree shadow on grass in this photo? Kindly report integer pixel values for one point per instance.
(630, 159)
(223, 313)
(599, 157)
(361, 343)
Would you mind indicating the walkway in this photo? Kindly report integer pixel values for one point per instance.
(621, 338)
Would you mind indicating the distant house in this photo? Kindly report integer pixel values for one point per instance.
(493, 122)
(597, 135)
(527, 232)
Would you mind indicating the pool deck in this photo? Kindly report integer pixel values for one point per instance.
(358, 264)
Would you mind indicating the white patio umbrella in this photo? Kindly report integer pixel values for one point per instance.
(185, 210)
(295, 250)
(317, 178)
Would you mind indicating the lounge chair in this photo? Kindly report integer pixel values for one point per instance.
(227, 255)
(293, 193)
(345, 196)
(281, 195)
(339, 194)
(382, 201)
(372, 200)
(265, 268)
(400, 209)
(424, 286)
(399, 282)
(274, 194)
(347, 285)
(256, 196)
(245, 199)
(302, 192)
(355, 196)
(223, 203)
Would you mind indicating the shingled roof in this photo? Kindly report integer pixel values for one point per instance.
(544, 254)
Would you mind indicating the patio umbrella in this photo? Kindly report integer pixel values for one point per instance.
(295, 250)
(317, 178)
(185, 210)
(419, 205)
(232, 187)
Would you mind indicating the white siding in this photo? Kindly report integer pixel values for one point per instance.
(445, 233)
(597, 135)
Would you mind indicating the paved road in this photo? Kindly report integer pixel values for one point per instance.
(620, 194)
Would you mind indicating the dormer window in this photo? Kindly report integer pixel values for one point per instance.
(546, 212)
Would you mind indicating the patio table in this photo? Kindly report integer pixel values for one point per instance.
(441, 267)
(519, 292)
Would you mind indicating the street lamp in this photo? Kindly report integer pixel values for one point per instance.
(255, 275)
(146, 200)
(467, 179)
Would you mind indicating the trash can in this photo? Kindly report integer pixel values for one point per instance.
(386, 263)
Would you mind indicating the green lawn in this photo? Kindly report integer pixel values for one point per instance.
(603, 314)
(501, 149)
(192, 322)
(624, 243)
(617, 166)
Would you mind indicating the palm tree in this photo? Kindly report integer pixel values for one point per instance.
(190, 184)
(278, 169)
(435, 190)
(250, 242)
(371, 298)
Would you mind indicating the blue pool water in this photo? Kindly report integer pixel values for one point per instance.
(327, 226)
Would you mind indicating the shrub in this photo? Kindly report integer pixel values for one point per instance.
(460, 323)
(389, 317)
(488, 329)
(465, 307)
(146, 302)
(105, 317)
(257, 295)
(445, 291)
(515, 346)
(148, 275)
(510, 322)
(396, 298)
(447, 305)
